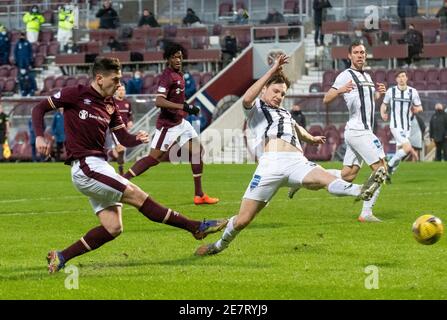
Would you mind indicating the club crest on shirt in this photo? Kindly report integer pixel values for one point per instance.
(83, 114)
(57, 95)
(109, 108)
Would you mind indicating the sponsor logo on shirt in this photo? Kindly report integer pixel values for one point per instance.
(87, 102)
(161, 89)
(57, 95)
(377, 143)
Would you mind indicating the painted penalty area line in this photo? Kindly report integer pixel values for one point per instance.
(40, 199)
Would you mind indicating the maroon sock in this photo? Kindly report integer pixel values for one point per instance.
(140, 166)
(197, 170)
(155, 212)
(93, 239)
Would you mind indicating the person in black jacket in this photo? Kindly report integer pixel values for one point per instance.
(406, 8)
(108, 18)
(442, 14)
(191, 19)
(319, 7)
(148, 19)
(438, 131)
(415, 41)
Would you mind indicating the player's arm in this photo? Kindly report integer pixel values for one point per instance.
(384, 111)
(417, 109)
(305, 136)
(162, 102)
(38, 113)
(127, 139)
(253, 92)
(333, 92)
(381, 90)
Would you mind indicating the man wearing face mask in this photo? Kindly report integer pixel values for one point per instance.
(438, 132)
(5, 45)
(27, 83)
(33, 20)
(135, 84)
(65, 25)
(23, 53)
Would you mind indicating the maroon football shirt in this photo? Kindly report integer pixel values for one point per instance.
(125, 109)
(172, 87)
(87, 115)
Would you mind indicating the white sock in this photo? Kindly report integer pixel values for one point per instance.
(340, 188)
(335, 172)
(395, 160)
(368, 205)
(228, 235)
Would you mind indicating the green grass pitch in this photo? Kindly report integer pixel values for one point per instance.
(311, 247)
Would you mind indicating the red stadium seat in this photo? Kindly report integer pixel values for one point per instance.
(420, 85)
(10, 85)
(170, 31)
(46, 35)
(71, 81)
(48, 84)
(328, 77)
(148, 81)
(4, 71)
(443, 75)
(419, 75)
(432, 74)
(316, 130)
(53, 48)
(217, 30)
(225, 9)
(2, 84)
(82, 80)
(290, 7)
(39, 61)
(206, 77)
(380, 76)
(433, 85)
(59, 82)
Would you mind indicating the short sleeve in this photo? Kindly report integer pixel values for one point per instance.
(342, 79)
(164, 85)
(416, 99)
(65, 98)
(388, 96)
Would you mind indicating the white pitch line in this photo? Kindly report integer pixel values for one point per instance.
(40, 199)
(36, 213)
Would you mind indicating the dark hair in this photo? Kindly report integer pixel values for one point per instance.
(278, 77)
(172, 48)
(398, 72)
(353, 44)
(105, 66)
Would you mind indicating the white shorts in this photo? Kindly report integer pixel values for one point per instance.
(164, 138)
(400, 136)
(362, 145)
(275, 170)
(97, 179)
(111, 140)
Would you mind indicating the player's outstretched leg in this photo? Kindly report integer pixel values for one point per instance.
(367, 213)
(213, 248)
(375, 180)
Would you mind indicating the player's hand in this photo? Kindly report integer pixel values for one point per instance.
(347, 87)
(129, 125)
(384, 116)
(191, 109)
(319, 140)
(42, 146)
(280, 60)
(143, 136)
(381, 88)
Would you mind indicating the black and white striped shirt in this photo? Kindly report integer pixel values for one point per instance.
(360, 101)
(266, 122)
(399, 103)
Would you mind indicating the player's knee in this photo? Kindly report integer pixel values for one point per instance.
(115, 229)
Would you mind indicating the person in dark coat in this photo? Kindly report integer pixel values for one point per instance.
(57, 130)
(406, 9)
(27, 83)
(438, 132)
(23, 53)
(108, 17)
(148, 19)
(191, 18)
(5, 45)
(442, 15)
(415, 41)
(319, 7)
